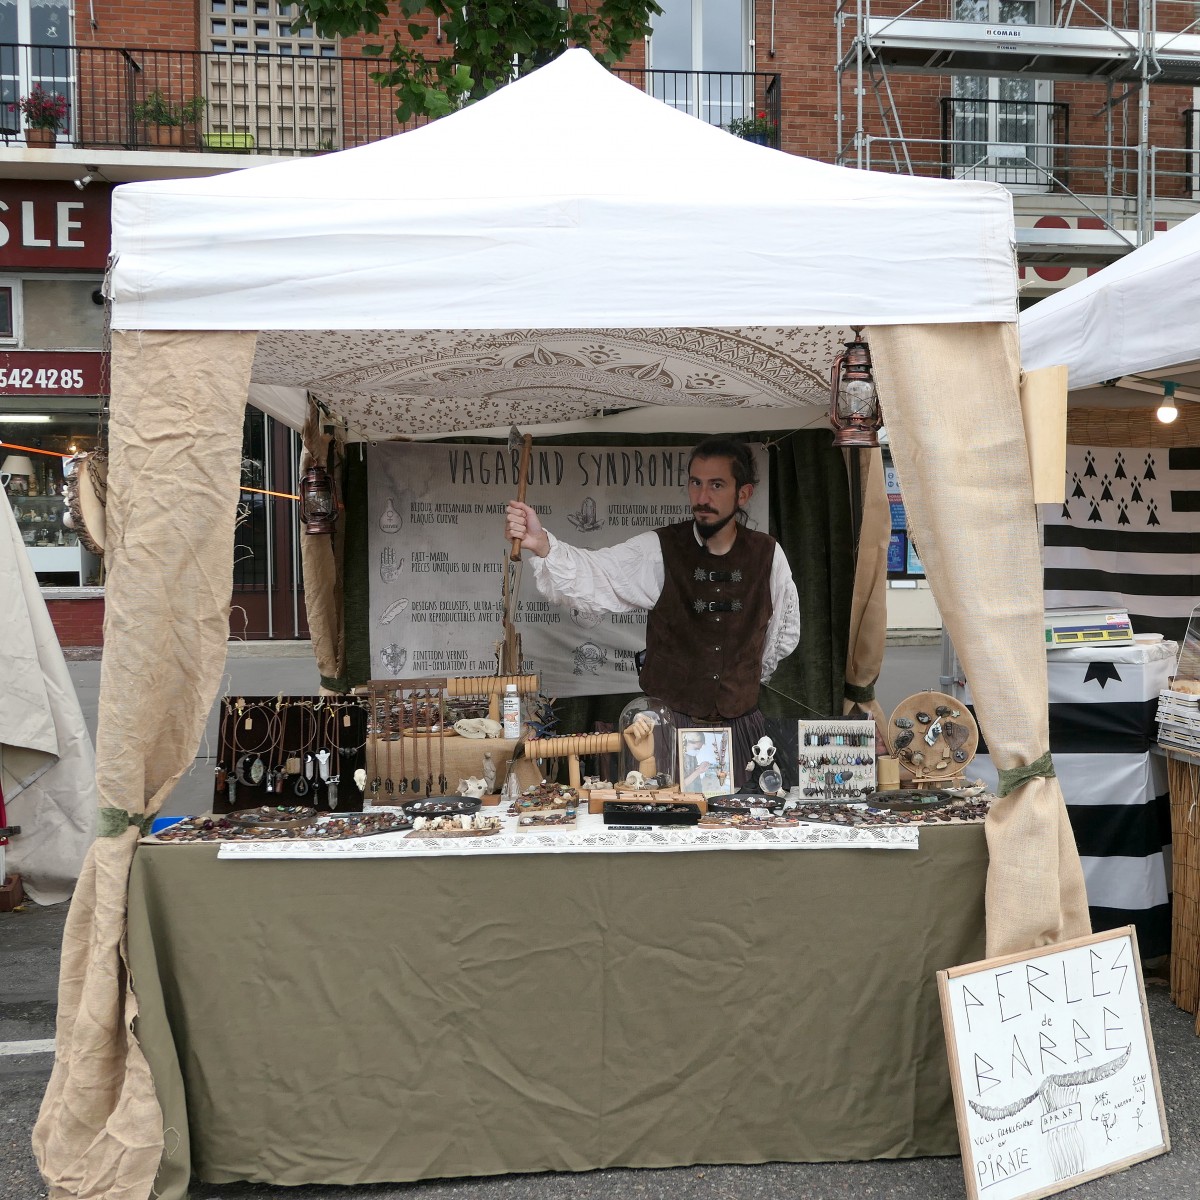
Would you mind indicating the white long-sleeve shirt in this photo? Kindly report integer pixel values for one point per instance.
(630, 576)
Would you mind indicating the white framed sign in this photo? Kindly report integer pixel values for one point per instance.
(437, 555)
(1052, 1065)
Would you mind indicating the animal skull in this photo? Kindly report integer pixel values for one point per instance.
(635, 779)
(472, 787)
(763, 751)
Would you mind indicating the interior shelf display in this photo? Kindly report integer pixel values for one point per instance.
(53, 549)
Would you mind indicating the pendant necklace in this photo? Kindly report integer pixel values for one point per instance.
(400, 733)
(303, 759)
(335, 766)
(233, 758)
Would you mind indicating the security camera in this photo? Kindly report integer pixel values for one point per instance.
(84, 181)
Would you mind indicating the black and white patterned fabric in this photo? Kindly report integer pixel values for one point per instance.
(1102, 729)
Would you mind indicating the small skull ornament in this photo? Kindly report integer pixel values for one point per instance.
(763, 751)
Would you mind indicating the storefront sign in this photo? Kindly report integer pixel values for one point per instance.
(51, 373)
(437, 556)
(52, 225)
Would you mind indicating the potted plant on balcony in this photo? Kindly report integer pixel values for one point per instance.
(164, 120)
(44, 114)
(759, 128)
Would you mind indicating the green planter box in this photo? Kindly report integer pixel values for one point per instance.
(233, 143)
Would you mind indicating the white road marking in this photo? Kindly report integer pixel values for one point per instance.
(42, 1046)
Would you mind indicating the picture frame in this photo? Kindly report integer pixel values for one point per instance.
(706, 760)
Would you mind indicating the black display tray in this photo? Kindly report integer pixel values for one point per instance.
(623, 812)
(440, 806)
(743, 802)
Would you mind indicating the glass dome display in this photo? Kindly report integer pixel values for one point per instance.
(648, 743)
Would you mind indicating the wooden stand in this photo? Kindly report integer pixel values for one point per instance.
(572, 747)
(11, 893)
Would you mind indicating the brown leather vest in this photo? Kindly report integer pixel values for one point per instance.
(704, 637)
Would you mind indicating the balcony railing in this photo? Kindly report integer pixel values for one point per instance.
(197, 100)
(1191, 142)
(718, 97)
(1006, 141)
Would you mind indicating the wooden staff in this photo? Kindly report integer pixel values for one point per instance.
(522, 485)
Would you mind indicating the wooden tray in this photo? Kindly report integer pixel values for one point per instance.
(453, 833)
(928, 704)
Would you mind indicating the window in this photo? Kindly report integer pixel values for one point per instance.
(259, 91)
(1001, 126)
(9, 298)
(698, 51)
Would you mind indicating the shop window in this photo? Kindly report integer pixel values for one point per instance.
(60, 314)
(10, 291)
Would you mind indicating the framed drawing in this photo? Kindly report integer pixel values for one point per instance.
(705, 760)
(1052, 1065)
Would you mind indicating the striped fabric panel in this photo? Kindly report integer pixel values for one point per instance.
(1127, 535)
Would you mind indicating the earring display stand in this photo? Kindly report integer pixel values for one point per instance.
(836, 760)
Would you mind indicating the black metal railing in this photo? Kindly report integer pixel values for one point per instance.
(1191, 143)
(200, 100)
(747, 102)
(1014, 142)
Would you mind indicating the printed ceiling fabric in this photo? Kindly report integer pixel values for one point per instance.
(447, 380)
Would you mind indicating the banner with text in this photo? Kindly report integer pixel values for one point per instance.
(437, 555)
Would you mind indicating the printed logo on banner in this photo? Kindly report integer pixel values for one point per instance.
(438, 555)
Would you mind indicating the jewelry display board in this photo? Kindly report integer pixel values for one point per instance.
(836, 759)
(285, 750)
(934, 736)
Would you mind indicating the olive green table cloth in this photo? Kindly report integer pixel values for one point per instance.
(392, 1020)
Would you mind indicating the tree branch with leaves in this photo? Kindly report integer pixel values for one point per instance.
(486, 44)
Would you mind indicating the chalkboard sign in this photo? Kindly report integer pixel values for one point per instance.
(1052, 1064)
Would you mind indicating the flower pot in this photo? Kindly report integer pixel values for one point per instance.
(42, 139)
(164, 135)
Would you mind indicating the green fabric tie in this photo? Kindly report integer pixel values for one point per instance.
(114, 821)
(1013, 777)
(860, 695)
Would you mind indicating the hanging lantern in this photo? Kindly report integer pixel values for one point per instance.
(318, 509)
(853, 402)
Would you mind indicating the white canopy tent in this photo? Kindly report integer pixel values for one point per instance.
(564, 249)
(1136, 318)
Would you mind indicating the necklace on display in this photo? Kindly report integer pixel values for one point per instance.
(335, 778)
(250, 768)
(301, 757)
(233, 755)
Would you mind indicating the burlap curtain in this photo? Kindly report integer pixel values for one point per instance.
(175, 446)
(868, 603)
(322, 559)
(950, 396)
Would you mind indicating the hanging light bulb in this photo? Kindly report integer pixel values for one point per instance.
(1167, 412)
(853, 401)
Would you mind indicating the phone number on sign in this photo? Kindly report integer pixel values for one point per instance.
(69, 378)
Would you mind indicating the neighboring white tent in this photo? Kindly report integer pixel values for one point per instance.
(565, 248)
(1139, 316)
(47, 768)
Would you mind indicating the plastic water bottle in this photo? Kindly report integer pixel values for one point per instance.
(510, 712)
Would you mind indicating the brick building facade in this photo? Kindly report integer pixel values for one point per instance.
(1092, 126)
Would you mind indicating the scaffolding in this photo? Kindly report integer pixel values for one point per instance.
(1081, 45)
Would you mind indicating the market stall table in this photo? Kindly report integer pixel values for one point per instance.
(345, 1022)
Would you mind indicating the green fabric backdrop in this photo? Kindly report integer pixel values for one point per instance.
(809, 516)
